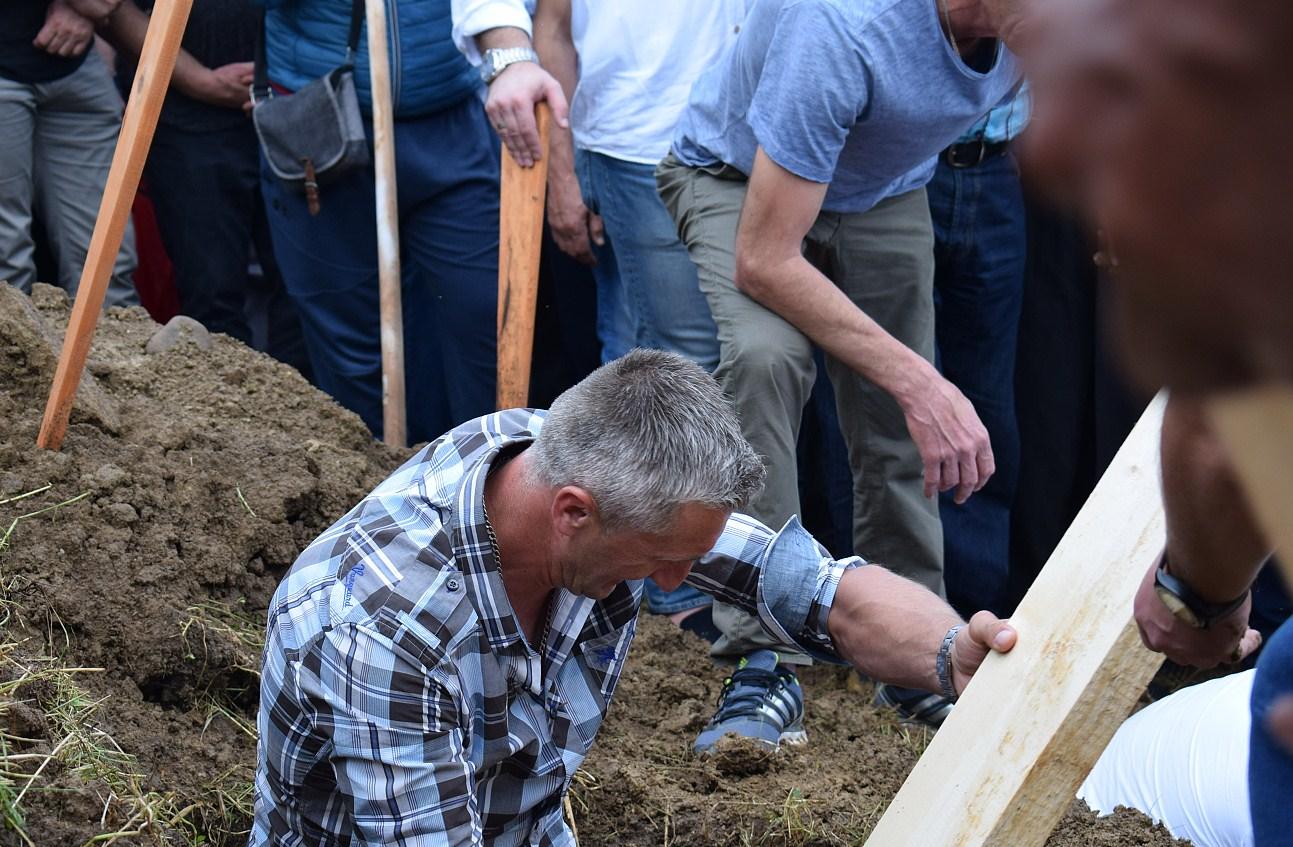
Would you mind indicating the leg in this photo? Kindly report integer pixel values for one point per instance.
(981, 244)
(329, 267)
(17, 183)
(1270, 766)
(204, 214)
(78, 120)
(658, 274)
(1054, 375)
(766, 365)
(883, 260)
(617, 320)
(285, 340)
(449, 170)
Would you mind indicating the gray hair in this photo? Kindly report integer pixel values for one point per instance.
(643, 435)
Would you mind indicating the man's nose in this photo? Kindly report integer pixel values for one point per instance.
(669, 578)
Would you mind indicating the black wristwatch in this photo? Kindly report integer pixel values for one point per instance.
(1188, 606)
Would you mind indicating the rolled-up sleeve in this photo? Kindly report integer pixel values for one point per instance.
(786, 579)
(472, 17)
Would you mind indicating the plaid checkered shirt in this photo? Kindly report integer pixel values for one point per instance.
(402, 705)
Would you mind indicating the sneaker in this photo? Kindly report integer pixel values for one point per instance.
(761, 701)
(913, 705)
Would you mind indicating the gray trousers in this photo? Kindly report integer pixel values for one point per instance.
(883, 259)
(56, 144)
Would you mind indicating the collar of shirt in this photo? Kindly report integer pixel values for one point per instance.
(527, 666)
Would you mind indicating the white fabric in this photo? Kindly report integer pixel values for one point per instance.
(472, 17)
(637, 62)
(1183, 761)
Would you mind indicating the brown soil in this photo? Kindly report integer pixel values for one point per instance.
(200, 475)
(640, 785)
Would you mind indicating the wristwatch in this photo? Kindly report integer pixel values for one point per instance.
(1187, 606)
(496, 60)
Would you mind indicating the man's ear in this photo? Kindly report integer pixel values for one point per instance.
(573, 510)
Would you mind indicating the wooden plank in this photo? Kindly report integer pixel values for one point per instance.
(520, 241)
(1006, 764)
(1256, 427)
(153, 76)
(394, 409)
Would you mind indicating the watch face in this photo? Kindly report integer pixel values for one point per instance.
(1177, 607)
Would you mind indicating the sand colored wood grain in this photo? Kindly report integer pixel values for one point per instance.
(153, 77)
(520, 241)
(394, 410)
(1030, 725)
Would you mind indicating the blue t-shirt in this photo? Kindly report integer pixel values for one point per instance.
(861, 94)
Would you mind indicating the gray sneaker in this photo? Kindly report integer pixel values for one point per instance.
(913, 705)
(761, 701)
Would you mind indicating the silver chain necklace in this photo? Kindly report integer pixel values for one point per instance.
(493, 538)
(947, 21)
(498, 558)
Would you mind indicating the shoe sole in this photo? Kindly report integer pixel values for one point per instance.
(794, 738)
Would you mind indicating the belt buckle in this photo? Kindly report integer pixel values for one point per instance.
(954, 161)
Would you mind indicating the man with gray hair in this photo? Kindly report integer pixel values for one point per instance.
(439, 661)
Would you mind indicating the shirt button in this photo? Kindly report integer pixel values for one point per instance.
(452, 585)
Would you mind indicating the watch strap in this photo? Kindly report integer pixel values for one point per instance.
(1186, 604)
(943, 662)
(499, 59)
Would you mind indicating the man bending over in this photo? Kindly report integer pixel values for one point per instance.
(440, 659)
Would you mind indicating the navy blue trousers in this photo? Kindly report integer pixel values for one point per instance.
(447, 166)
(979, 250)
(1270, 767)
(205, 185)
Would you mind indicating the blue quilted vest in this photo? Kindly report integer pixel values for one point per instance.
(304, 39)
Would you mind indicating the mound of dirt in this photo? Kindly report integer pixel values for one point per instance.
(136, 565)
(188, 482)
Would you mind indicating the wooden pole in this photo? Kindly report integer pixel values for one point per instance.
(1006, 763)
(394, 424)
(1256, 427)
(520, 240)
(152, 78)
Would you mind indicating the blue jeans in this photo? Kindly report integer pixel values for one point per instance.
(647, 292)
(980, 250)
(447, 165)
(1270, 766)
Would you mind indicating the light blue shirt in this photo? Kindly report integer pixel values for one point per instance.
(1003, 123)
(861, 94)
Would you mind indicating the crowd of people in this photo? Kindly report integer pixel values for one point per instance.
(817, 202)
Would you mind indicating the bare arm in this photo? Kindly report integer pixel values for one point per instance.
(891, 629)
(1213, 543)
(779, 210)
(225, 86)
(571, 222)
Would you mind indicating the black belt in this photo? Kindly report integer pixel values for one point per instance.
(972, 153)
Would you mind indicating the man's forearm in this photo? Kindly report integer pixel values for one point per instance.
(126, 30)
(502, 37)
(888, 627)
(556, 49)
(801, 294)
(1213, 543)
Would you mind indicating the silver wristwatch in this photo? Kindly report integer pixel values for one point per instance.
(495, 61)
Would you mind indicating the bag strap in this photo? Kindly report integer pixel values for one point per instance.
(260, 75)
(356, 23)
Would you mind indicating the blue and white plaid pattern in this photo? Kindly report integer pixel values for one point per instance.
(400, 702)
